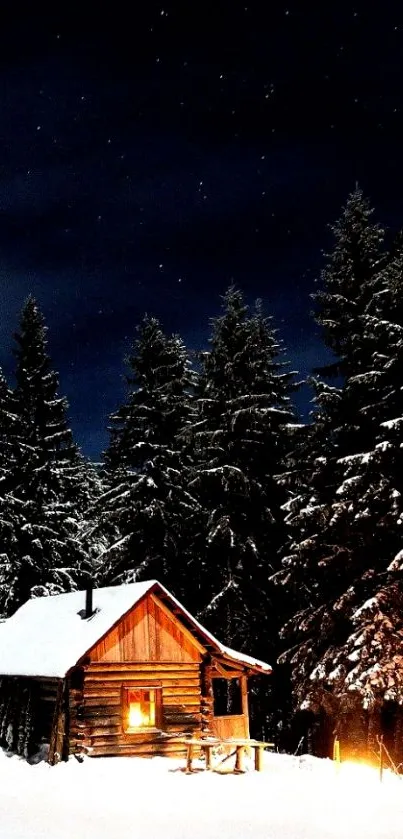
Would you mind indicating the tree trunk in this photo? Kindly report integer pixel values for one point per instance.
(353, 729)
(374, 732)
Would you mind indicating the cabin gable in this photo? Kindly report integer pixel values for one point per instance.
(148, 632)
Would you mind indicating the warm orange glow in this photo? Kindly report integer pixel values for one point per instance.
(357, 764)
(141, 709)
(359, 774)
(135, 715)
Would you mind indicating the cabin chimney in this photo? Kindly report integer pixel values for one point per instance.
(88, 601)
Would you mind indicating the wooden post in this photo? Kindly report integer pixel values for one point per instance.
(57, 736)
(380, 741)
(207, 698)
(189, 756)
(239, 759)
(336, 750)
(259, 758)
(243, 681)
(207, 752)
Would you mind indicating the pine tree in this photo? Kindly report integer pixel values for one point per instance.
(349, 283)
(47, 481)
(146, 510)
(8, 425)
(367, 659)
(328, 569)
(240, 440)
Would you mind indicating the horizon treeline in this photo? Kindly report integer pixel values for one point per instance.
(282, 536)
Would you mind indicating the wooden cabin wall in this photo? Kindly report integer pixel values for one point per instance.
(149, 647)
(96, 725)
(148, 633)
(232, 725)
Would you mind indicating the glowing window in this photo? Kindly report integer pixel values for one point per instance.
(140, 708)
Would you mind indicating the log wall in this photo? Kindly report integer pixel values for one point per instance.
(95, 708)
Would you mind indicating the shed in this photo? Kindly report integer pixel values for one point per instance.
(123, 670)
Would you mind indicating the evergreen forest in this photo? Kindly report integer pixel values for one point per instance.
(281, 534)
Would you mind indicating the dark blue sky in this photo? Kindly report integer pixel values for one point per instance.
(146, 163)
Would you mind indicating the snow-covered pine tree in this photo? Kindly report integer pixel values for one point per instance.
(240, 441)
(349, 283)
(8, 433)
(333, 553)
(46, 484)
(145, 513)
(366, 664)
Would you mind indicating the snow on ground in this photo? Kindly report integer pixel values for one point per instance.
(293, 798)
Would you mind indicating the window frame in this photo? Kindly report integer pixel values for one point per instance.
(141, 730)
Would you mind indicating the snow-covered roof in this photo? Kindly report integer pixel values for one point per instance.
(47, 635)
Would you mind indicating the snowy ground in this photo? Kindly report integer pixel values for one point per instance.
(293, 798)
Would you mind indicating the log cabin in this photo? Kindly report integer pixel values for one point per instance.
(123, 670)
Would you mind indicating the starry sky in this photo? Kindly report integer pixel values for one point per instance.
(146, 161)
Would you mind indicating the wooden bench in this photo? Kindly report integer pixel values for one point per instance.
(239, 748)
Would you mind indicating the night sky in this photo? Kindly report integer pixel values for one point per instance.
(146, 162)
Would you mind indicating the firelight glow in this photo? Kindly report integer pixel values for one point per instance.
(360, 774)
(141, 709)
(136, 718)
